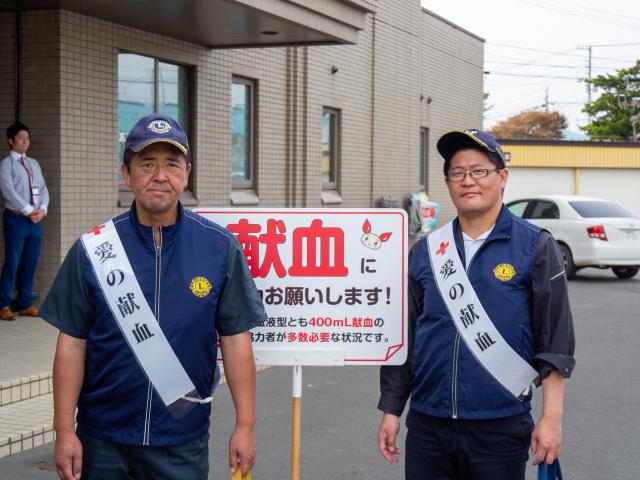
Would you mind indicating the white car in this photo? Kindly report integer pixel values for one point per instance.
(591, 232)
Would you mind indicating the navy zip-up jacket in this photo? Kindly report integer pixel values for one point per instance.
(530, 310)
(117, 402)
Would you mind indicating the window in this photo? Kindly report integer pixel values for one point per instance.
(145, 86)
(242, 132)
(543, 210)
(329, 162)
(595, 209)
(424, 158)
(518, 208)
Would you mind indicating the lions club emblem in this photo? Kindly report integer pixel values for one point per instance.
(504, 272)
(200, 287)
(159, 126)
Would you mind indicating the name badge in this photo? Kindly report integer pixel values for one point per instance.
(35, 191)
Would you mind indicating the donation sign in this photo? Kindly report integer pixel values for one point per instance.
(332, 281)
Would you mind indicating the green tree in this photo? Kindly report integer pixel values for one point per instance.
(485, 102)
(531, 125)
(615, 114)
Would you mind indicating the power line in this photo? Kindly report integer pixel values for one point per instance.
(581, 7)
(557, 53)
(580, 15)
(617, 45)
(512, 84)
(518, 47)
(514, 112)
(542, 65)
(532, 75)
(535, 60)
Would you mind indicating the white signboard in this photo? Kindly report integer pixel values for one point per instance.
(333, 283)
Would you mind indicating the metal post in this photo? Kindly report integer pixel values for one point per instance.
(296, 416)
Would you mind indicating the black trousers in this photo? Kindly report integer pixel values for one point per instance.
(105, 460)
(448, 449)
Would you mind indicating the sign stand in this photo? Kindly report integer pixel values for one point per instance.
(298, 358)
(296, 411)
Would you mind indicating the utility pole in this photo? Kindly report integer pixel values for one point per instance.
(546, 99)
(588, 48)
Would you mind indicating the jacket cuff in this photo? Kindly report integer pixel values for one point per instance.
(546, 362)
(391, 405)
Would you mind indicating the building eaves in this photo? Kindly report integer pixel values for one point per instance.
(453, 25)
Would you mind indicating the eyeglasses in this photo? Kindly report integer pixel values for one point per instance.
(476, 173)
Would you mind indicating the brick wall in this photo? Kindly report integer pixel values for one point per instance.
(70, 101)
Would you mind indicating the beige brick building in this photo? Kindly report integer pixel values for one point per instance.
(367, 82)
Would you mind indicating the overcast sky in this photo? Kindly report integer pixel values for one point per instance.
(532, 45)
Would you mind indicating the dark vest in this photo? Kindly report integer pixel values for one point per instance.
(447, 379)
(117, 402)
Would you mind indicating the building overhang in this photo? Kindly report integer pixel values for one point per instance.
(226, 23)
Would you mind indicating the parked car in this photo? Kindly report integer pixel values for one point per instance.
(591, 232)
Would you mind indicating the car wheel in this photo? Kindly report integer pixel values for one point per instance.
(567, 258)
(625, 272)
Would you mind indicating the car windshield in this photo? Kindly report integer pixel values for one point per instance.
(593, 209)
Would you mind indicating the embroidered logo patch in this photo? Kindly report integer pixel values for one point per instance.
(200, 287)
(159, 126)
(504, 272)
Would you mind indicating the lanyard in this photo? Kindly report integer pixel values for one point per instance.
(33, 188)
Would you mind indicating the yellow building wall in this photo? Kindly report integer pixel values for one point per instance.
(563, 156)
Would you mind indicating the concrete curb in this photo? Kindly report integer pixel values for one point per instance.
(28, 400)
(23, 388)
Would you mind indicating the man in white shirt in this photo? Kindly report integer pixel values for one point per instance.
(25, 200)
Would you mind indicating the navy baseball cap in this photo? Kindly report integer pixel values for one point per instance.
(156, 128)
(452, 142)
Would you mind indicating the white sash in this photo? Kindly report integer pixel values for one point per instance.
(136, 320)
(474, 325)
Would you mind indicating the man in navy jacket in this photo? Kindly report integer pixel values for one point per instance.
(189, 280)
(463, 423)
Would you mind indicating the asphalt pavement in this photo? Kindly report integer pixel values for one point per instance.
(340, 420)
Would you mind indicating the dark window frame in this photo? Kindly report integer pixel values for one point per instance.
(253, 88)
(190, 103)
(334, 147)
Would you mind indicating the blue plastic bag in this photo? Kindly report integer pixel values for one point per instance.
(550, 472)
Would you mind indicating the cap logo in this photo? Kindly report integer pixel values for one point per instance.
(159, 126)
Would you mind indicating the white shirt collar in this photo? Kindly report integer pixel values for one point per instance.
(482, 237)
(16, 155)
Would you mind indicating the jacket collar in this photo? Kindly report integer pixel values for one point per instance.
(502, 230)
(168, 233)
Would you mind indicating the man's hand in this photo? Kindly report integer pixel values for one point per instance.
(242, 451)
(387, 435)
(36, 216)
(67, 455)
(240, 372)
(546, 439)
(68, 374)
